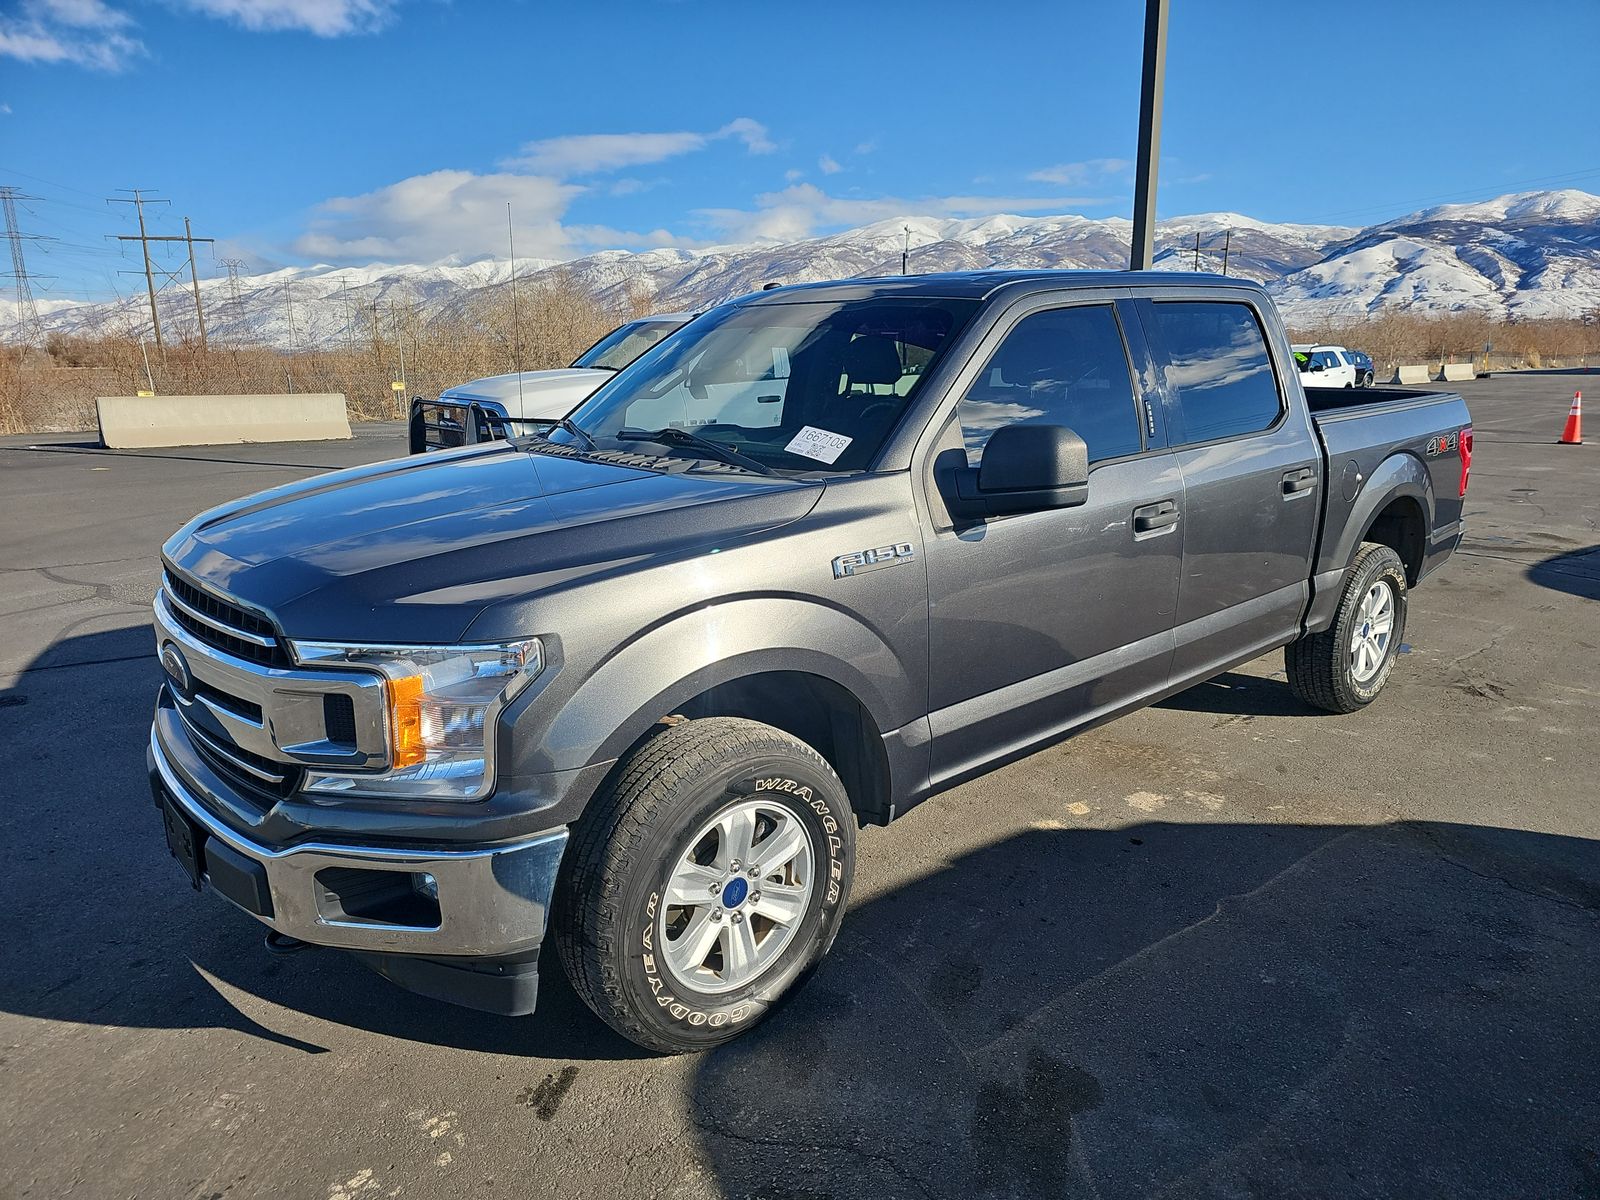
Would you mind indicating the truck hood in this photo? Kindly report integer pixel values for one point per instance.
(541, 396)
(414, 549)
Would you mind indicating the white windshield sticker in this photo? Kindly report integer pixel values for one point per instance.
(819, 444)
(780, 362)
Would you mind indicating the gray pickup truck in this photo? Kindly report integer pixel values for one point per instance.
(627, 688)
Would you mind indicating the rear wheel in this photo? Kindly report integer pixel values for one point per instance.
(705, 882)
(1343, 668)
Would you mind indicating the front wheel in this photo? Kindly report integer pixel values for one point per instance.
(706, 880)
(1343, 668)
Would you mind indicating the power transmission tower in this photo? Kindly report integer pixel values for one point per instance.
(235, 302)
(27, 312)
(144, 239)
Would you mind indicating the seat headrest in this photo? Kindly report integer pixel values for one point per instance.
(1031, 356)
(872, 359)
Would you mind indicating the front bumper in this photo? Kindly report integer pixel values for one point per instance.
(492, 902)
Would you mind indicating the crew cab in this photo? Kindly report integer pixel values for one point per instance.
(624, 690)
(1325, 366)
(499, 405)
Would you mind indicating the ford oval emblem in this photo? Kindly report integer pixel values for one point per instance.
(177, 669)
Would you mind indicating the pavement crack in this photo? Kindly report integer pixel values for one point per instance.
(747, 1139)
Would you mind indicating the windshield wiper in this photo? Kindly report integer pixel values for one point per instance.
(571, 427)
(672, 435)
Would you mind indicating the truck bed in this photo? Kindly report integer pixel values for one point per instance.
(1376, 437)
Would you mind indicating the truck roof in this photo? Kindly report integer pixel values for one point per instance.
(979, 285)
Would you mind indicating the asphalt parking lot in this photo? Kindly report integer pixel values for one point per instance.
(1224, 947)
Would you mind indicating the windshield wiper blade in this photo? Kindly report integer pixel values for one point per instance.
(673, 435)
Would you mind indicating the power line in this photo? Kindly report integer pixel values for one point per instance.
(27, 311)
(138, 203)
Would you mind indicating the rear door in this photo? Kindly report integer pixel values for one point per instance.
(1042, 620)
(1251, 469)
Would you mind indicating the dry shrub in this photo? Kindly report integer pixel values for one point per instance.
(1400, 337)
(54, 389)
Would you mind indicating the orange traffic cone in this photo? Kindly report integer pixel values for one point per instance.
(1572, 435)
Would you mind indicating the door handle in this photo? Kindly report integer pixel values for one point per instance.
(1153, 518)
(1298, 482)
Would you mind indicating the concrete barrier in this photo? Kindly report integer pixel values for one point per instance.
(131, 422)
(1456, 372)
(1413, 374)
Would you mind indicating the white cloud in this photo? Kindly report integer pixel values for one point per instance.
(793, 175)
(325, 18)
(1076, 174)
(829, 165)
(440, 215)
(5, 110)
(801, 210)
(866, 147)
(592, 153)
(85, 33)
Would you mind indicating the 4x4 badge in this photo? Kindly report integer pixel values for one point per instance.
(871, 560)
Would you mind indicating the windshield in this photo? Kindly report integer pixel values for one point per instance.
(621, 346)
(811, 386)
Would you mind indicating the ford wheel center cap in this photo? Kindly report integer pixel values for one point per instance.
(734, 892)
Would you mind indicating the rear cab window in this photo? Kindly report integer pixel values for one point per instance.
(1217, 368)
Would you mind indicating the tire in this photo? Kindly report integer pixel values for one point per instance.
(673, 812)
(1366, 380)
(1328, 670)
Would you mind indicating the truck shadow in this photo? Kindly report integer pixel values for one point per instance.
(1189, 1009)
(1577, 572)
(1237, 694)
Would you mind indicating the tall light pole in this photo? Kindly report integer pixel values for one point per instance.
(1150, 96)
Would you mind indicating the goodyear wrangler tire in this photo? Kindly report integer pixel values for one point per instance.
(1343, 668)
(705, 881)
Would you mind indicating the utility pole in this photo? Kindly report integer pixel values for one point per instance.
(905, 254)
(1197, 250)
(138, 203)
(27, 312)
(1150, 97)
(1227, 241)
(516, 315)
(194, 280)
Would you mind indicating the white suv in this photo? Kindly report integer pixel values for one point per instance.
(1324, 366)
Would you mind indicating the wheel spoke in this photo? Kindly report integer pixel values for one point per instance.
(781, 902)
(691, 884)
(778, 848)
(688, 950)
(735, 832)
(739, 950)
(1382, 623)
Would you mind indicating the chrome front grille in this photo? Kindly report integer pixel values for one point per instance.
(258, 719)
(222, 624)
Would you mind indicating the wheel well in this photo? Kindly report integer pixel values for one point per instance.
(821, 713)
(1402, 526)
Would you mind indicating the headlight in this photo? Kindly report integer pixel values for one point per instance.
(442, 702)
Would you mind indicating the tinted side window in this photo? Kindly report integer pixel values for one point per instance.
(1066, 367)
(1218, 366)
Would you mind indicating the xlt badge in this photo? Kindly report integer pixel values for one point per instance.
(871, 560)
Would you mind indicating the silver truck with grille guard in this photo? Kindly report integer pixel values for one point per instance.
(626, 686)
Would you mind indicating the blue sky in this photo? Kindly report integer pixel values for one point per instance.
(354, 131)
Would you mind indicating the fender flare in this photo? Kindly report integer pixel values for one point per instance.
(669, 664)
(1400, 476)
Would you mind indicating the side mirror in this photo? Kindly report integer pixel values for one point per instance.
(1025, 468)
(1316, 366)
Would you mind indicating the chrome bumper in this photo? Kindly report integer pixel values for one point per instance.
(493, 901)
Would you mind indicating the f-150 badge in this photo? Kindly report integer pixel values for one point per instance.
(871, 560)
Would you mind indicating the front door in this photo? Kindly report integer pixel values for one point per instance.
(1041, 621)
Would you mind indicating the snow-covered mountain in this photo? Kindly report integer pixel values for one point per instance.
(1533, 254)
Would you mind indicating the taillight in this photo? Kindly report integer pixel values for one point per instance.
(1464, 445)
